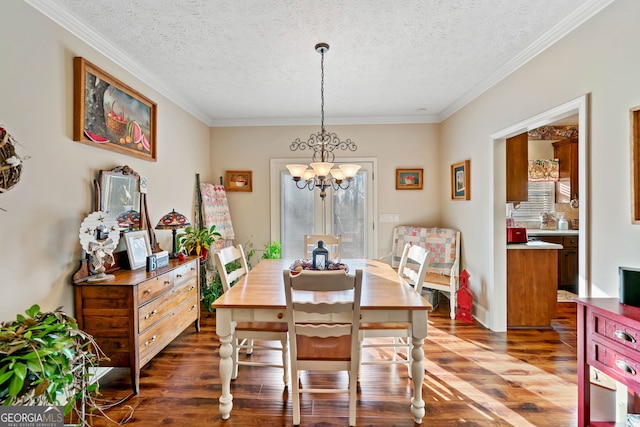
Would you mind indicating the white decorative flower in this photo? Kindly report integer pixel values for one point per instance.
(13, 161)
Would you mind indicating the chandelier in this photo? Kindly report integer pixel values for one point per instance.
(321, 175)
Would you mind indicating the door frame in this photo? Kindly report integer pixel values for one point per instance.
(497, 235)
(274, 198)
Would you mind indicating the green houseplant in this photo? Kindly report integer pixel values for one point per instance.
(44, 359)
(197, 241)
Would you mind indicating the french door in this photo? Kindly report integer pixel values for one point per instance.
(348, 213)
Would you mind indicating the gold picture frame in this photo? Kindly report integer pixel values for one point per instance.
(238, 181)
(461, 180)
(635, 164)
(409, 179)
(111, 115)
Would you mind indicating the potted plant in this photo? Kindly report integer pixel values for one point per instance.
(44, 359)
(197, 241)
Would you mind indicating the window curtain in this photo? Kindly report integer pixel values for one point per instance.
(544, 170)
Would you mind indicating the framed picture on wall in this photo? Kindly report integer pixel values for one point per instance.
(238, 181)
(409, 179)
(111, 115)
(460, 180)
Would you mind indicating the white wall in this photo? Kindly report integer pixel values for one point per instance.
(395, 146)
(599, 59)
(39, 245)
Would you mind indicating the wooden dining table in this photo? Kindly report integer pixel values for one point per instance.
(259, 297)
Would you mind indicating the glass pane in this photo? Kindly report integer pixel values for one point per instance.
(350, 216)
(297, 215)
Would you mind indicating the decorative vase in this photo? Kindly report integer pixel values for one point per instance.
(203, 254)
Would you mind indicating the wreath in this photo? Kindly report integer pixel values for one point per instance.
(10, 162)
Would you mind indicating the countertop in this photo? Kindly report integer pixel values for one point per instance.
(538, 232)
(534, 244)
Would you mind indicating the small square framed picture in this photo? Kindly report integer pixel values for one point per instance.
(238, 181)
(138, 248)
(409, 179)
(460, 180)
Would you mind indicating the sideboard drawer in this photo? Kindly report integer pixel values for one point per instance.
(185, 272)
(625, 366)
(155, 310)
(614, 331)
(151, 288)
(166, 329)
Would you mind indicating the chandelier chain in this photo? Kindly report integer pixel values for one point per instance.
(323, 145)
(322, 94)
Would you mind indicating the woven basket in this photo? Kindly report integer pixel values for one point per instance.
(116, 127)
(9, 174)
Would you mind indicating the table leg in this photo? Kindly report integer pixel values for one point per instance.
(419, 333)
(417, 371)
(224, 329)
(226, 366)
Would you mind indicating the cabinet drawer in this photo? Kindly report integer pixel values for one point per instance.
(185, 272)
(570, 241)
(625, 366)
(165, 330)
(165, 304)
(151, 288)
(615, 332)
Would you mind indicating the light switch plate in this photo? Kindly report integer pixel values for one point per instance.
(391, 217)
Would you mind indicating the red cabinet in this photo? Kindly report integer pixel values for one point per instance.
(608, 340)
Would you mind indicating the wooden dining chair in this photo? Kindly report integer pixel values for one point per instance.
(231, 264)
(412, 270)
(332, 243)
(323, 311)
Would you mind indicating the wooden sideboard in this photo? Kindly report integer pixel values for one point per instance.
(136, 315)
(608, 340)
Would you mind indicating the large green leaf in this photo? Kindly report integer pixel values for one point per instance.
(15, 385)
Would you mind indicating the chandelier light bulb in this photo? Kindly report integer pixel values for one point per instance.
(322, 169)
(337, 174)
(350, 170)
(296, 171)
(308, 174)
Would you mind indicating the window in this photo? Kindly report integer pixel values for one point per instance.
(348, 213)
(541, 199)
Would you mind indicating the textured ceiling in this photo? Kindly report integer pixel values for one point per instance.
(252, 62)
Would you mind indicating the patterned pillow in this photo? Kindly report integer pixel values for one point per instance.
(441, 243)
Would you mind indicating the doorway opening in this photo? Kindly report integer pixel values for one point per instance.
(577, 107)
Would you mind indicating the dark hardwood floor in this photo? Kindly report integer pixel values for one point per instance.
(474, 377)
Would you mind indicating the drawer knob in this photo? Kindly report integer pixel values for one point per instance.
(148, 291)
(624, 336)
(178, 275)
(625, 367)
(153, 313)
(192, 307)
(280, 315)
(153, 338)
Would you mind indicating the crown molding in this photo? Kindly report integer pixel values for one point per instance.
(60, 16)
(564, 27)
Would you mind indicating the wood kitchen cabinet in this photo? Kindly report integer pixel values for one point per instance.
(531, 298)
(518, 168)
(566, 151)
(567, 261)
(136, 315)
